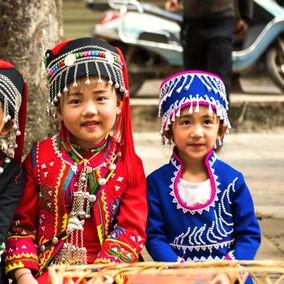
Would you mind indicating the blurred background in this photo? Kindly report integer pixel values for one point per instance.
(78, 19)
(257, 105)
(261, 63)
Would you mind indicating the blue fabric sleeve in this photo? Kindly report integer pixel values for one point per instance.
(247, 230)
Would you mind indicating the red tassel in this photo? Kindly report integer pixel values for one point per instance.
(127, 143)
(5, 65)
(58, 47)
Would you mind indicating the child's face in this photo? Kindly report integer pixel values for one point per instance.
(196, 133)
(1, 118)
(89, 111)
(4, 127)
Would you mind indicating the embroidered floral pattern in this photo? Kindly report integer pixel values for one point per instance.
(46, 195)
(117, 232)
(118, 252)
(114, 206)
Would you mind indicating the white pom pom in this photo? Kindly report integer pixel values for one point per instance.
(112, 167)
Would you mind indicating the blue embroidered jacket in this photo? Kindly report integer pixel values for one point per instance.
(225, 227)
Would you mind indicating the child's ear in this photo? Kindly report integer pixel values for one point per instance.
(119, 105)
(222, 130)
(7, 127)
(58, 112)
(169, 134)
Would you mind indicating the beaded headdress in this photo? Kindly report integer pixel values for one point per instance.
(190, 89)
(13, 96)
(83, 57)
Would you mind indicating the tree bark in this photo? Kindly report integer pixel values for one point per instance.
(27, 29)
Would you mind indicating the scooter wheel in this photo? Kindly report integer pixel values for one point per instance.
(275, 66)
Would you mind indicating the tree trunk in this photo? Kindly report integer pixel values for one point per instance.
(27, 29)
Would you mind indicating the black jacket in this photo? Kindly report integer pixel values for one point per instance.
(210, 9)
(11, 189)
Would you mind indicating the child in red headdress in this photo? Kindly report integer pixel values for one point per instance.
(85, 195)
(13, 93)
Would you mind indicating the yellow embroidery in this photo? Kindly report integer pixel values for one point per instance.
(105, 209)
(15, 261)
(125, 245)
(45, 256)
(100, 234)
(57, 188)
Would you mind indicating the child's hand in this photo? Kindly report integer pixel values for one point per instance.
(24, 276)
(220, 278)
(27, 279)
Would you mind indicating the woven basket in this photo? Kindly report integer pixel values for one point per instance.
(262, 272)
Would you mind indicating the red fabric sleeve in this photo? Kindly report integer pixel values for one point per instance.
(126, 241)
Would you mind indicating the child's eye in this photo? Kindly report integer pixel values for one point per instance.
(74, 101)
(185, 122)
(208, 122)
(101, 98)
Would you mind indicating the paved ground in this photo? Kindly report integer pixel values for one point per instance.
(260, 156)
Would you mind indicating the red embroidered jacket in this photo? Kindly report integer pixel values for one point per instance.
(39, 227)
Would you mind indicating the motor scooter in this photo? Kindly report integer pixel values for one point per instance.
(149, 37)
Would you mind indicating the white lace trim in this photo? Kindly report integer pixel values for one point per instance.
(177, 165)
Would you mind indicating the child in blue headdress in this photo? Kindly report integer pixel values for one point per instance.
(200, 208)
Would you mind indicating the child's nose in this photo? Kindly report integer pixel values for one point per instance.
(90, 108)
(197, 130)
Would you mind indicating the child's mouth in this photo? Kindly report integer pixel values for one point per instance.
(89, 123)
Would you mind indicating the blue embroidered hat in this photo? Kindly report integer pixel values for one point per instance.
(192, 88)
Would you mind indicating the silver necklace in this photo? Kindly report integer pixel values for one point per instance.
(74, 251)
